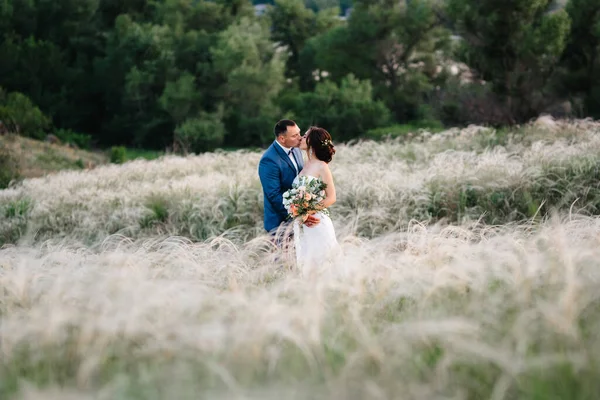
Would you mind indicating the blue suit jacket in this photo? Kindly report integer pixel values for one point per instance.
(277, 173)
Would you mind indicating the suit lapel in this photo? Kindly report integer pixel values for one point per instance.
(285, 157)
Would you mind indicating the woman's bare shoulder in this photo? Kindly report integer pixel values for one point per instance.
(323, 165)
(324, 169)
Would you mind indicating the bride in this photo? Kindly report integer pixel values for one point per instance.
(315, 245)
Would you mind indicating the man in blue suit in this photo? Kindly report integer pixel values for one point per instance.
(277, 169)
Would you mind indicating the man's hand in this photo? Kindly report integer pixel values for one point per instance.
(311, 221)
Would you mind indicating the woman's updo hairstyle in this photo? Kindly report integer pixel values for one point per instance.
(319, 140)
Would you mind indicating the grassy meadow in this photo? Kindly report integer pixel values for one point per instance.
(34, 158)
(469, 270)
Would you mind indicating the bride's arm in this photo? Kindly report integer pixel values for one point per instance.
(330, 189)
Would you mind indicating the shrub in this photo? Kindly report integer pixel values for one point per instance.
(200, 134)
(118, 154)
(9, 168)
(158, 212)
(515, 46)
(80, 140)
(347, 111)
(15, 215)
(472, 103)
(20, 115)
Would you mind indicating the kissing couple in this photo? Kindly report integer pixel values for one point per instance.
(286, 177)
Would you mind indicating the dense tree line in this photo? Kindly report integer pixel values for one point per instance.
(193, 75)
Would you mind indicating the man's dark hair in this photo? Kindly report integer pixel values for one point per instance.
(281, 126)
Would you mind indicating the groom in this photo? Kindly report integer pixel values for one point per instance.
(277, 170)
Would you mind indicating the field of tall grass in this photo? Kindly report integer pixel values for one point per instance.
(469, 270)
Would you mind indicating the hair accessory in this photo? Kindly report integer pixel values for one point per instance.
(327, 142)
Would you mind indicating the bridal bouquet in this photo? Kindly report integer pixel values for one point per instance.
(305, 197)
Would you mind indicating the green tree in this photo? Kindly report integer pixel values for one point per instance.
(252, 72)
(202, 133)
(292, 25)
(150, 72)
(515, 46)
(347, 110)
(45, 49)
(138, 63)
(106, 67)
(394, 44)
(180, 98)
(20, 115)
(36, 68)
(582, 55)
(154, 70)
(109, 10)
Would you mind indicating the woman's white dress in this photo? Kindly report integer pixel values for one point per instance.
(315, 246)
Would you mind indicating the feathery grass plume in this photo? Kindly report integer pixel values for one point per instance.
(154, 278)
(431, 312)
(454, 176)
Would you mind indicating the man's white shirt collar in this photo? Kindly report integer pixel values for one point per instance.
(286, 149)
(290, 155)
